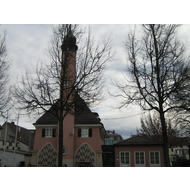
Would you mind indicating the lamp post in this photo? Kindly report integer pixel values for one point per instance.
(29, 147)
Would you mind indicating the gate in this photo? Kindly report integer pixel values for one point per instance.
(108, 156)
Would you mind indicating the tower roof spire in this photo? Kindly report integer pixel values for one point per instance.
(69, 37)
(69, 41)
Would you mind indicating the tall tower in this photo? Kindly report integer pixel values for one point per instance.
(68, 76)
(69, 49)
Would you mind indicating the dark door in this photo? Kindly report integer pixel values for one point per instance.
(108, 156)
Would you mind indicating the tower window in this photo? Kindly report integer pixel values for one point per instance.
(64, 150)
(65, 81)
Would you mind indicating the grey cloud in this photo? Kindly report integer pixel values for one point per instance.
(26, 44)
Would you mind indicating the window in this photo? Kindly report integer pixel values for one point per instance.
(48, 132)
(64, 150)
(173, 158)
(180, 151)
(108, 142)
(124, 159)
(154, 158)
(85, 132)
(65, 81)
(139, 159)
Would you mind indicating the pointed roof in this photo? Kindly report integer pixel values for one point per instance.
(138, 140)
(49, 117)
(83, 114)
(69, 38)
(69, 41)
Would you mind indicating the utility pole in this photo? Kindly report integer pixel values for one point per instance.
(5, 138)
(15, 140)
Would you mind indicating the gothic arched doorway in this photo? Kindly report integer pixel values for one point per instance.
(47, 156)
(85, 156)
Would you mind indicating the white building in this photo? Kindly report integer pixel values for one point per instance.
(180, 150)
(23, 148)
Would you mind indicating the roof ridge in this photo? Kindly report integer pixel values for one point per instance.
(83, 114)
(132, 140)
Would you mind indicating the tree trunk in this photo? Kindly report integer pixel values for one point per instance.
(61, 107)
(60, 153)
(165, 139)
(160, 101)
(60, 124)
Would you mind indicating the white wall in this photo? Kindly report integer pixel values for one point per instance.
(8, 161)
(23, 147)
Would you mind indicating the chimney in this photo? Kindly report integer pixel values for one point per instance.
(113, 131)
(19, 133)
(97, 115)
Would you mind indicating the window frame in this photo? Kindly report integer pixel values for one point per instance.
(82, 134)
(139, 164)
(108, 142)
(154, 164)
(65, 153)
(66, 81)
(51, 132)
(48, 132)
(120, 159)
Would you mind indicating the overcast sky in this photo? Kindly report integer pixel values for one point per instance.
(27, 44)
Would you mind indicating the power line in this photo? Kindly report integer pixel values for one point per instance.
(122, 117)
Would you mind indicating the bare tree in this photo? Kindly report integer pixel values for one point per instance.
(181, 119)
(151, 127)
(58, 84)
(158, 69)
(182, 113)
(4, 66)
